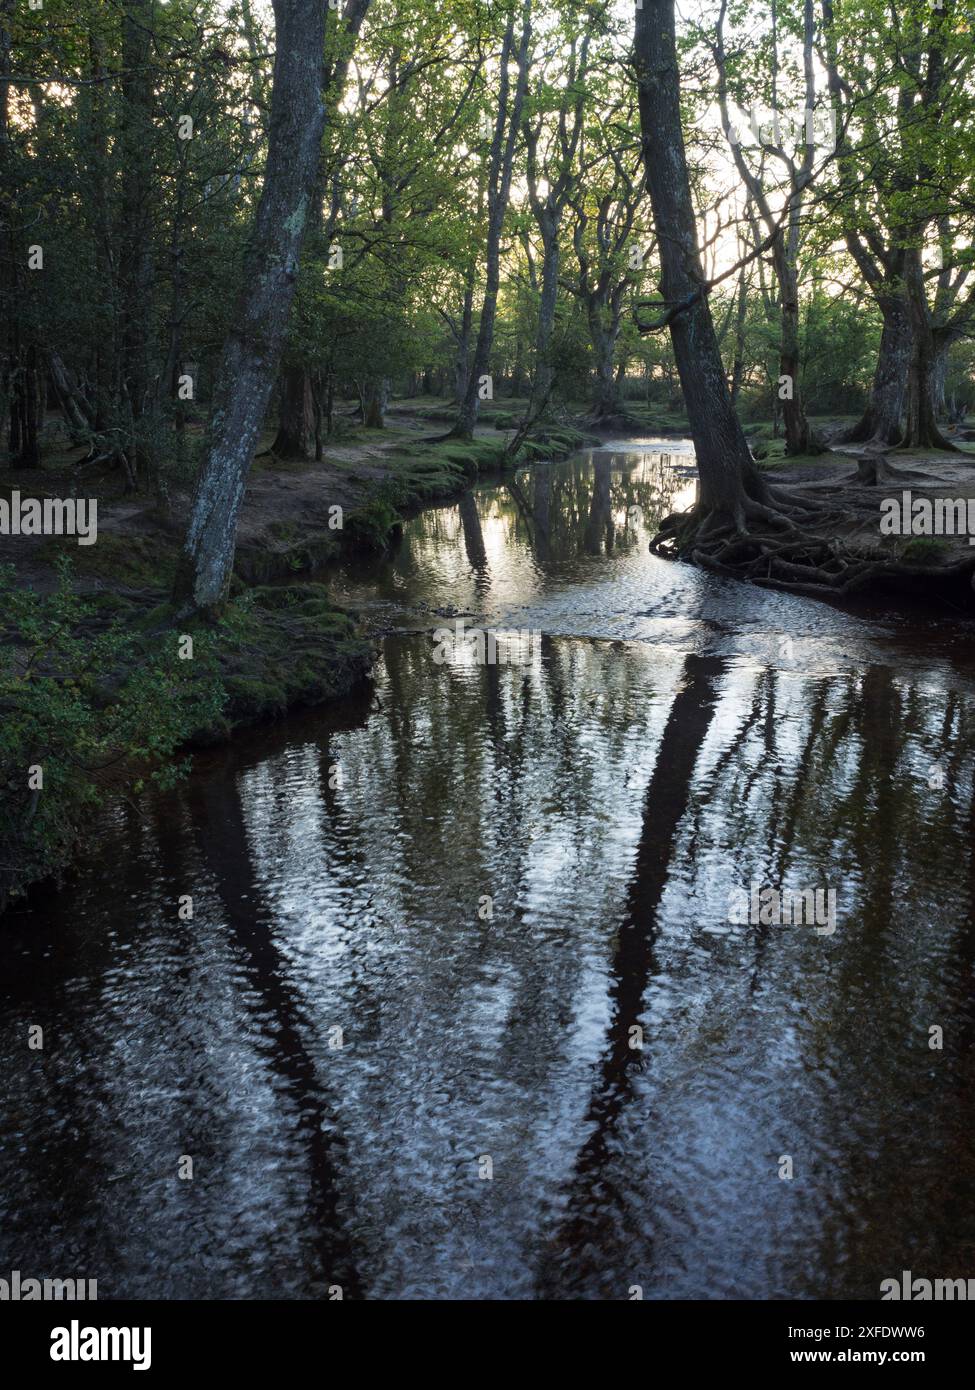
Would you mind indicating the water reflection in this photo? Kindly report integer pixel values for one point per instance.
(543, 535)
(487, 878)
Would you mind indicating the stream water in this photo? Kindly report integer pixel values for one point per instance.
(460, 1012)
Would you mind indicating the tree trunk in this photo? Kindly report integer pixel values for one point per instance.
(544, 375)
(462, 358)
(798, 436)
(103, 317)
(8, 273)
(921, 429)
(70, 399)
(375, 400)
(19, 367)
(502, 156)
(26, 412)
(939, 376)
(738, 365)
(727, 474)
(517, 370)
(882, 420)
(605, 389)
(253, 346)
(295, 438)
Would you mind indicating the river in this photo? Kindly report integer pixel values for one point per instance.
(460, 1012)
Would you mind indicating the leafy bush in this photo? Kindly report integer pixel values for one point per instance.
(88, 707)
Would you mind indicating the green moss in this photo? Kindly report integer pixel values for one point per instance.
(137, 561)
(251, 698)
(925, 550)
(417, 474)
(295, 632)
(371, 526)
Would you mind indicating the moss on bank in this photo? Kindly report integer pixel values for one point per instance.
(426, 471)
(273, 648)
(279, 647)
(100, 694)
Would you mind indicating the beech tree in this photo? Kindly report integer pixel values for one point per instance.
(507, 126)
(900, 83)
(253, 347)
(730, 485)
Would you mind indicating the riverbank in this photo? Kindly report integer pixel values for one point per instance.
(96, 689)
(100, 692)
(297, 518)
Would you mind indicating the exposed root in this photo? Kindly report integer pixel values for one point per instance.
(783, 543)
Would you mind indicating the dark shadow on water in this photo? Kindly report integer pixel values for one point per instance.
(218, 821)
(574, 1260)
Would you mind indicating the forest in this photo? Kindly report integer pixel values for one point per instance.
(152, 156)
(480, 477)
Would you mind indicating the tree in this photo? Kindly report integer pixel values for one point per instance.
(901, 89)
(506, 128)
(605, 216)
(253, 348)
(782, 226)
(557, 163)
(730, 486)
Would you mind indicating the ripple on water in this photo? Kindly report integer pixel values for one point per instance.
(397, 1036)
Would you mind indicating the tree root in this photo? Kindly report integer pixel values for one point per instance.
(783, 544)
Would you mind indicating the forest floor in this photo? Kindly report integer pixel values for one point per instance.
(297, 514)
(929, 474)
